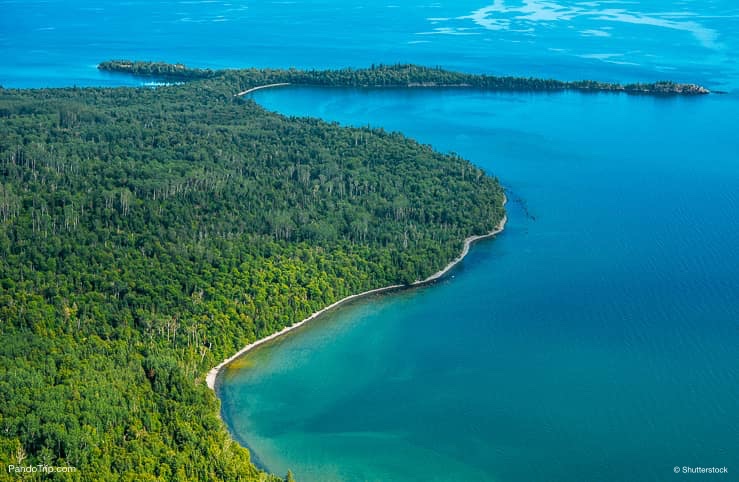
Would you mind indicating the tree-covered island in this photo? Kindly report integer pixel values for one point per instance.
(147, 234)
(406, 76)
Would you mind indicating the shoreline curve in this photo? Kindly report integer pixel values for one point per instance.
(211, 377)
(260, 87)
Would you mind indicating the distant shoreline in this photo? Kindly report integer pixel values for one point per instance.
(212, 375)
(394, 76)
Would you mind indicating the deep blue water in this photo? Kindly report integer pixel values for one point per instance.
(596, 339)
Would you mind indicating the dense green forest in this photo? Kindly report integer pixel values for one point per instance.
(393, 76)
(147, 234)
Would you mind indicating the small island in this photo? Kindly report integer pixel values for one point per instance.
(393, 76)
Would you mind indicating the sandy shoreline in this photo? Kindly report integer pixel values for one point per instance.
(254, 89)
(210, 379)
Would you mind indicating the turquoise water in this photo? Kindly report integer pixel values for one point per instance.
(595, 339)
(58, 42)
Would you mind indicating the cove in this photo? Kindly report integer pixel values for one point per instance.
(595, 339)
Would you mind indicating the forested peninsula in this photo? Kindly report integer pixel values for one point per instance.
(386, 76)
(148, 233)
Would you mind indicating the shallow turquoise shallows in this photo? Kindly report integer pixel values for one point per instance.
(596, 339)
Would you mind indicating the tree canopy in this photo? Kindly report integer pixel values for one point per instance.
(398, 76)
(147, 234)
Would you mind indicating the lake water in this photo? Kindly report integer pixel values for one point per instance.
(596, 339)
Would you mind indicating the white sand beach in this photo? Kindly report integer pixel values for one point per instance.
(210, 379)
